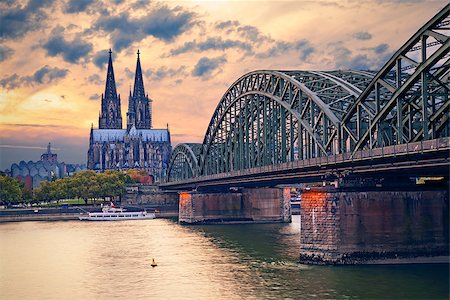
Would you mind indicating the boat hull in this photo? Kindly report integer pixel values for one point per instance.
(117, 216)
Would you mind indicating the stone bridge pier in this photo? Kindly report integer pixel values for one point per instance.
(348, 227)
(257, 205)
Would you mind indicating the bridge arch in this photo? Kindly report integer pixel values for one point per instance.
(408, 99)
(278, 116)
(184, 162)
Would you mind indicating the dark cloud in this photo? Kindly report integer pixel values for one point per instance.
(44, 75)
(140, 4)
(253, 34)
(226, 24)
(341, 55)
(278, 49)
(381, 48)
(47, 75)
(345, 59)
(71, 51)
(101, 58)
(205, 66)
(95, 79)
(11, 82)
(362, 35)
(94, 97)
(16, 20)
(166, 24)
(5, 52)
(128, 73)
(245, 32)
(187, 47)
(38, 4)
(76, 6)
(212, 43)
(162, 23)
(302, 47)
(164, 72)
(358, 62)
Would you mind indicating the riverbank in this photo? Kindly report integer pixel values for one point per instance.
(413, 260)
(69, 213)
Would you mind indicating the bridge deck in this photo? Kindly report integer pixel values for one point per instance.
(415, 159)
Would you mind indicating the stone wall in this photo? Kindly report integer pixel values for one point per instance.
(352, 227)
(149, 195)
(248, 205)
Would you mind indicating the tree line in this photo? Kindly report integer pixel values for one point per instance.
(82, 185)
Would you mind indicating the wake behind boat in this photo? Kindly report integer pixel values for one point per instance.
(111, 213)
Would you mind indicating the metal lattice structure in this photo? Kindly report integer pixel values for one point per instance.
(183, 162)
(273, 117)
(408, 99)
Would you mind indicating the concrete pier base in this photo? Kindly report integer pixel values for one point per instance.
(248, 205)
(358, 227)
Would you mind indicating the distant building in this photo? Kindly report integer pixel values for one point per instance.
(33, 173)
(139, 146)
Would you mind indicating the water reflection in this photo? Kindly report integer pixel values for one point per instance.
(73, 260)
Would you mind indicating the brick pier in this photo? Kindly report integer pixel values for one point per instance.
(247, 205)
(339, 227)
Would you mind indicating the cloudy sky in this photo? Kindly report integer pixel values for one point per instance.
(53, 57)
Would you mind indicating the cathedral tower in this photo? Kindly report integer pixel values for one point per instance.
(139, 105)
(139, 145)
(110, 116)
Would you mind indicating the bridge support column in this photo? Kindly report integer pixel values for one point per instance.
(248, 205)
(356, 227)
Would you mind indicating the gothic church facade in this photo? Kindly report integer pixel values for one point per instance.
(139, 146)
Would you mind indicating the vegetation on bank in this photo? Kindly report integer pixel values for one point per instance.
(10, 191)
(85, 185)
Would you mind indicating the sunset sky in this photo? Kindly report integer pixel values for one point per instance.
(53, 58)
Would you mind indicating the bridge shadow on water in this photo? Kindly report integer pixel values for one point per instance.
(271, 251)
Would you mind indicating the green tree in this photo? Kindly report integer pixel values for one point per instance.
(85, 185)
(9, 190)
(27, 195)
(112, 183)
(43, 192)
(58, 189)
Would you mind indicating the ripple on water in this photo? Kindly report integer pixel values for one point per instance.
(76, 260)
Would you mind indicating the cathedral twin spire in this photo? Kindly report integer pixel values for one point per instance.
(139, 106)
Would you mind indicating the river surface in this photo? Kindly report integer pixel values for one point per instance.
(107, 260)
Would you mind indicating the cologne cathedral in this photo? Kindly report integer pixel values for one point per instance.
(139, 146)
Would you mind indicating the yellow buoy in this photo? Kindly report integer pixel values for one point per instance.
(153, 264)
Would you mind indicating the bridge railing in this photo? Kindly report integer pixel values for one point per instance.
(377, 153)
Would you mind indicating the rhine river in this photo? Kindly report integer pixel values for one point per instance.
(105, 260)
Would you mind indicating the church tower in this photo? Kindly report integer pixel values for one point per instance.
(110, 116)
(139, 105)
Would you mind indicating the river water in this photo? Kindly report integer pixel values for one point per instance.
(105, 260)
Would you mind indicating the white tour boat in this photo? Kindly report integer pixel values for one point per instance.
(111, 213)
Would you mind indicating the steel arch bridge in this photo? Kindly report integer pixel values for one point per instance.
(273, 117)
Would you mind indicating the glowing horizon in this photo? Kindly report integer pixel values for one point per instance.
(53, 60)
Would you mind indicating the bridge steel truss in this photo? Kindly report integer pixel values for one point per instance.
(408, 99)
(273, 117)
(183, 162)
